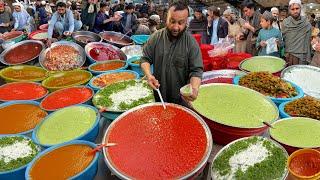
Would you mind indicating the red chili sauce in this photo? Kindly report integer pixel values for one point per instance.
(66, 97)
(103, 53)
(22, 91)
(219, 80)
(306, 164)
(23, 53)
(153, 143)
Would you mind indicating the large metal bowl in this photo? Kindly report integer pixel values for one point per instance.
(95, 37)
(91, 45)
(82, 60)
(192, 173)
(17, 36)
(116, 35)
(307, 89)
(285, 174)
(3, 54)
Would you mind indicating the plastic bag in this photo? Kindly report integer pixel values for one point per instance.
(222, 47)
(271, 45)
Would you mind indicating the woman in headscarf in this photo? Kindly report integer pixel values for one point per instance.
(21, 17)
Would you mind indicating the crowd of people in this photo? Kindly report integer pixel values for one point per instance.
(279, 32)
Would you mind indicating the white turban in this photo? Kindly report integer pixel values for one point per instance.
(274, 9)
(294, 2)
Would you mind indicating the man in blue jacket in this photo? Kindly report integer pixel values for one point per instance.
(217, 26)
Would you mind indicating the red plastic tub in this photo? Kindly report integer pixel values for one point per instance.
(198, 38)
(234, 59)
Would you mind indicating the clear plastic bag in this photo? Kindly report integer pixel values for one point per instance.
(222, 47)
(271, 45)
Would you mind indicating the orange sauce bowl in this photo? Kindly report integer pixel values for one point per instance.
(305, 164)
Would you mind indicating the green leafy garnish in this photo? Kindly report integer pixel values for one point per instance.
(14, 164)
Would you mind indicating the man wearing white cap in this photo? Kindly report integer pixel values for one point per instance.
(297, 35)
(21, 17)
(275, 14)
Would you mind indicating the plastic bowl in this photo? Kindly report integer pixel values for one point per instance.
(21, 102)
(299, 152)
(278, 101)
(136, 67)
(88, 173)
(131, 51)
(282, 112)
(85, 101)
(66, 73)
(105, 62)
(90, 135)
(15, 174)
(96, 88)
(22, 68)
(140, 39)
(36, 99)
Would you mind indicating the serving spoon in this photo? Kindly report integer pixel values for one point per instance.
(158, 91)
(99, 147)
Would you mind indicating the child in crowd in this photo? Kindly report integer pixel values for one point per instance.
(269, 40)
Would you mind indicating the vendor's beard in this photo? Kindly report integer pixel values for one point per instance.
(177, 36)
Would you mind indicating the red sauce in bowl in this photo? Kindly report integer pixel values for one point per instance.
(22, 91)
(23, 53)
(153, 143)
(103, 53)
(66, 97)
(306, 164)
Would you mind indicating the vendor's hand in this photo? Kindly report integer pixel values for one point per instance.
(49, 41)
(317, 48)
(13, 29)
(193, 96)
(278, 42)
(67, 33)
(263, 44)
(5, 24)
(153, 82)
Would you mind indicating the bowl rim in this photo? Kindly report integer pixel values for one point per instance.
(22, 67)
(258, 57)
(9, 103)
(290, 118)
(3, 54)
(82, 60)
(117, 34)
(50, 149)
(297, 153)
(245, 138)
(27, 82)
(134, 58)
(12, 39)
(65, 89)
(84, 33)
(187, 110)
(248, 89)
(30, 36)
(95, 124)
(87, 48)
(24, 166)
(63, 73)
(299, 90)
(105, 62)
(110, 72)
(282, 110)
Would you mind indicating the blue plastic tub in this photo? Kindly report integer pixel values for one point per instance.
(88, 173)
(282, 112)
(29, 132)
(101, 72)
(136, 67)
(111, 115)
(278, 101)
(140, 39)
(90, 135)
(88, 102)
(15, 174)
(38, 99)
(96, 88)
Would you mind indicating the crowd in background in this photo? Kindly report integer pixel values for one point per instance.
(280, 32)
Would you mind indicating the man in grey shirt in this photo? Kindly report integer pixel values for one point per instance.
(6, 19)
(176, 57)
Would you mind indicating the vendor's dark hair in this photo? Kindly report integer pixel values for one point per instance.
(61, 4)
(247, 4)
(74, 6)
(215, 11)
(179, 6)
(129, 6)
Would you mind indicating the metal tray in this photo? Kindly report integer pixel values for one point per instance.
(3, 54)
(82, 60)
(94, 36)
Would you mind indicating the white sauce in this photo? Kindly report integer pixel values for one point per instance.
(16, 150)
